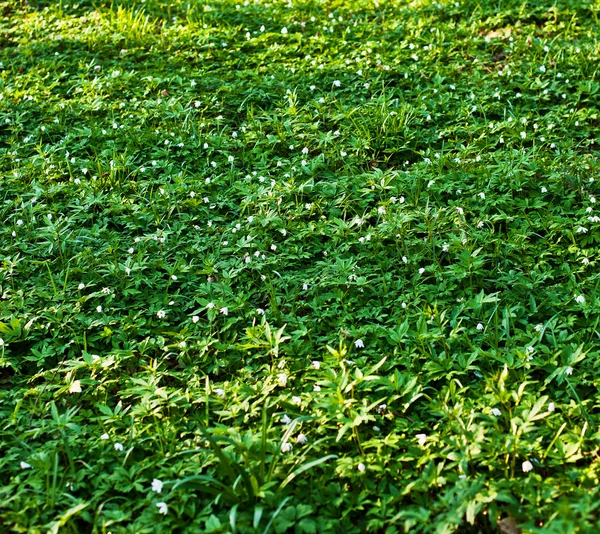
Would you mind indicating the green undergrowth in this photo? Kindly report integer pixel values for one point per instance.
(299, 266)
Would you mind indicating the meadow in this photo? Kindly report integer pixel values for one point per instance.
(301, 266)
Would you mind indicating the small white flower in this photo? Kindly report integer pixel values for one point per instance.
(496, 412)
(1, 342)
(104, 436)
(161, 314)
(284, 31)
(282, 379)
(569, 370)
(162, 508)
(523, 135)
(361, 467)
(460, 211)
(118, 447)
(220, 392)
(479, 326)
(585, 261)
(381, 210)
(337, 83)
(195, 319)
(301, 439)
(421, 270)
(25, 465)
(538, 327)
(286, 419)
(260, 311)
(544, 190)
(157, 485)
(316, 364)
(304, 287)
(99, 309)
(551, 407)
(482, 196)
(75, 387)
(210, 305)
(359, 344)
(286, 447)
(582, 230)
(296, 400)
(527, 466)
(224, 310)
(580, 299)
(421, 438)
(316, 388)
(230, 159)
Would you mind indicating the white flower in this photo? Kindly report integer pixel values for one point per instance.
(286, 447)
(479, 326)
(162, 508)
(316, 388)
(161, 314)
(25, 465)
(544, 190)
(527, 466)
(230, 159)
(260, 311)
(359, 344)
(99, 309)
(542, 69)
(421, 270)
(286, 419)
(523, 135)
(569, 370)
(195, 319)
(157, 485)
(361, 467)
(582, 230)
(224, 310)
(304, 287)
(580, 299)
(538, 327)
(75, 387)
(104, 436)
(301, 439)
(118, 447)
(284, 31)
(282, 379)
(220, 392)
(316, 364)
(496, 412)
(421, 438)
(337, 83)
(460, 211)
(210, 305)
(482, 196)
(551, 407)
(1, 342)
(381, 210)
(296, 400)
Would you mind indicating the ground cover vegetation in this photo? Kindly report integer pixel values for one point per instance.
(299, 266)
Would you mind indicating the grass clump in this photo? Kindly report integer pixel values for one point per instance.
(309, 267)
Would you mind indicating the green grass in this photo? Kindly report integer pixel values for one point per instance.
(314, 267)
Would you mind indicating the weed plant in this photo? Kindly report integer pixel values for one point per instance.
(299, 266)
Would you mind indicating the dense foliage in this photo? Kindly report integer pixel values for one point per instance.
(299, 266)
